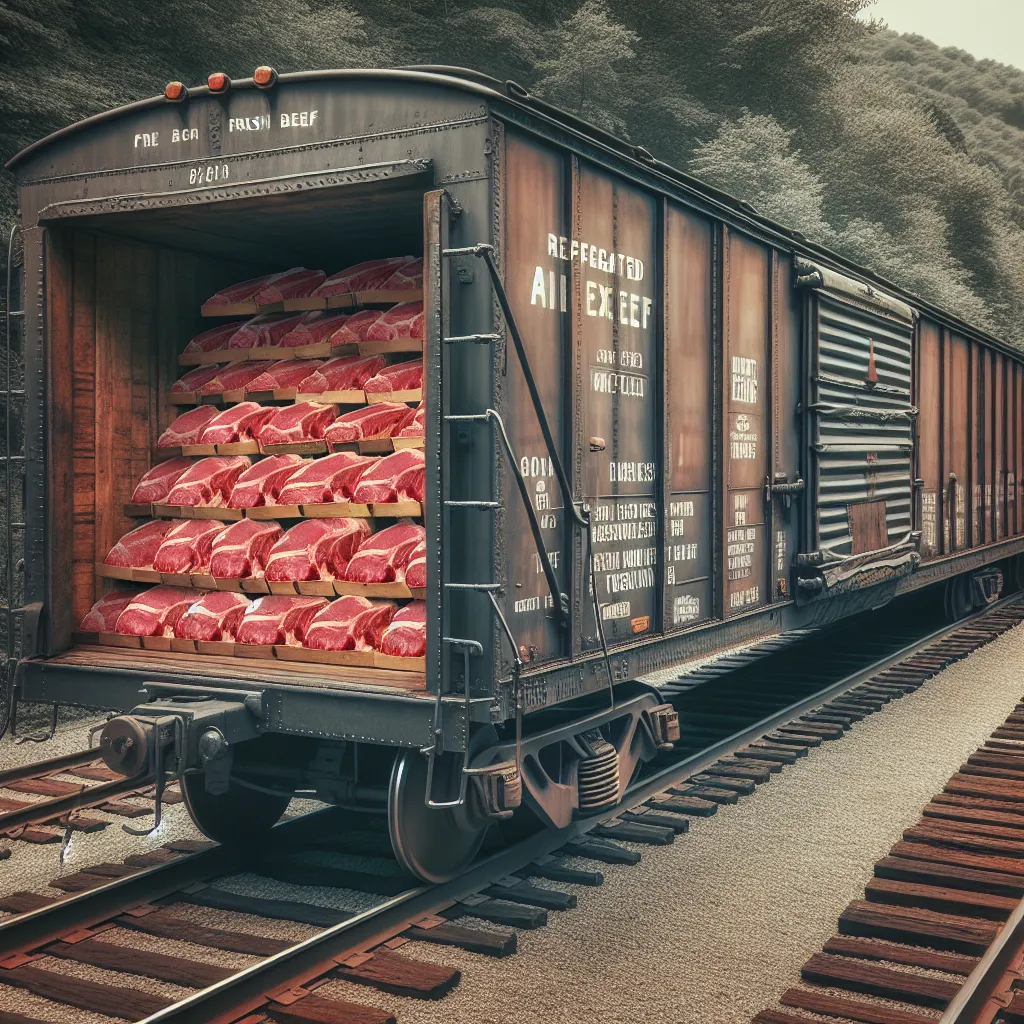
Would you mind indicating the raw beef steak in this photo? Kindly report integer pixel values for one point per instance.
(212, 340)
(384, 555)
(306, 421)
(187, 427)
(286, 284)
(278, 620)
(406, 634)
(137, 548)
(315, 549)
(346, 373)
(399, 323)
(156, 612)
(261, 484)
(240, 422)
(286, 373)
(350, 624)
(186, 547)
(235, 376)
(215, 616)
(314, 329)
(416, 427)
(209, 481)
(409, 276)
(328, 479)
(241, 551)
(400, 377)
(365, 277)
(194, 379)
(264, 331)
(382, 419)
(398, 477)
(416, 570)
(103, 615)
(157, 483)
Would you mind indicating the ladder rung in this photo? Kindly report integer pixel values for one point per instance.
(477, 339)
(476, 417)
(469, 250)
(474, 504)
(474, 586)
(456, 641)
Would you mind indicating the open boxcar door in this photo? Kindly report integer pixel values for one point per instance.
(861, 434)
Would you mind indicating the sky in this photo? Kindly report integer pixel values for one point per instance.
(984, 28)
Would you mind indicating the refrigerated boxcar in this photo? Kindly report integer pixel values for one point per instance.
(656, 425)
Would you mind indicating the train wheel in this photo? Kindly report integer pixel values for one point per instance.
(433, 845)
(958, 599)
(239, 815)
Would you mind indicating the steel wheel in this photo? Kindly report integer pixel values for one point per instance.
(237, 816)
(432, 845)
(959, 599)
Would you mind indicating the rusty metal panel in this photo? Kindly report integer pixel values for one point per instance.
(688, 247)
(536, 281)
(927, 399)
(787, 448)
(977, 444)
(999, 446)
(613, 252)
(745, 296)
(1014, 486)
(956, 445)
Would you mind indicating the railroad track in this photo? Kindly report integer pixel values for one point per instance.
(355, 935)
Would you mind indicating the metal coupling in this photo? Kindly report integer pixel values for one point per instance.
(665, 725)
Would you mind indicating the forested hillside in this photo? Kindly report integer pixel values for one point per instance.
(904, 156)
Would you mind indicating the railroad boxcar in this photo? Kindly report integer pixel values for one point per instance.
(657, 425)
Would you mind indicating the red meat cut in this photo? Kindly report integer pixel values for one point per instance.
(314, 329)
(400, 377)
(400, 322)
(284, 374)
(215, 616)
(398, 477)
(407, 276)
(240, 422)
(350, 624)
(384, 555)
(416, 570)
(137, 548)
(262, 483)
(187, 427)
(315, 549)
(212, 340)
(416, 427)
(241, 551)
(102, 616)
(158, 481)
(306, 421)
(235, 376)
(186, 547)
(382, 419)
(365, 277)
(406, 634)
(286, 284)
(156, 612)
(277, 619)
(329, 479)
(209, 481)
(194, 379)
(264, 331)
(345, 373)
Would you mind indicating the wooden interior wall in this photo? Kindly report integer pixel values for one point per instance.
(134, 307)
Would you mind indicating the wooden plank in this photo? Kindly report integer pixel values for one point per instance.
(127, 960)
(532, 895)
(977, 816)
(630, 832)
(511, 915)
(983, 829)
(979, 803)
(80, 881)
(744, 787)
(851, 1009)
(402, 975)
(490, 942)
(24, 902)
(911, 956)
(715, 794)
(46, 787)
(678, 823)
(96, 773)
(956, 839)
(951, 875)
(279, 910)
(318, 1010)
(692, 805)
(947, 901)
(167, 927)
(112, 1000)
(918, 927)
(601, 850)
(942, 855)
(875, 980)
(973, 785)
(555, 869)
(6, 1017)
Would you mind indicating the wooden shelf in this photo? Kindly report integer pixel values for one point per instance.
(330, 510)
(308, 303)
(370, 446)
(322, 350)
(353, 397)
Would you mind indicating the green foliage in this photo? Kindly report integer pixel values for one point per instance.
(903, 156)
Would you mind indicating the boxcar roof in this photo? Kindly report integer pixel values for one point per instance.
(512, 95)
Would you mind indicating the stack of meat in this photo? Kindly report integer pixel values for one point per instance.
(270, 290)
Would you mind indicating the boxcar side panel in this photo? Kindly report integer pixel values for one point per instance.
(999, 448)
(688, 417)
(927, 398)
(957, 442)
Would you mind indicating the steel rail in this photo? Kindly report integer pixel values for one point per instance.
(88, 796)
(247, 990)
(51, 765)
